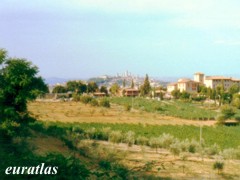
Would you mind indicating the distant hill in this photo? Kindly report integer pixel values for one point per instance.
(55, 80)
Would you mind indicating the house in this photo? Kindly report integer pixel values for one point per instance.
(187, 85)
(171, 87)
(214, 81)
(131, 92)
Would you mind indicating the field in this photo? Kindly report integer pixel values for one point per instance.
(90, 122)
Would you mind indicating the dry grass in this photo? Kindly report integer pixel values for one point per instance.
(78, 112)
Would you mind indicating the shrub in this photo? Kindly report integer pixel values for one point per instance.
(142, 140)
(127, 107)
(129, 138)
(213, 150)
(85, 99)
(104, 103)
(105, 133)
(166, 140)
(227, 111)
(175, 148)
(91, 133)
(115, 136)
(218, 165)
(154, 142)
(94, 102)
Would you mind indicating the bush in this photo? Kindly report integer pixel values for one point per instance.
(218, 165)
(213, 150)
(175, 148)
(129, 138)
(94, 102)
(104, 103)
(127, 107)
(142, 140)
(85, 99)
(115, 136)
(228, 111)
(166, 140)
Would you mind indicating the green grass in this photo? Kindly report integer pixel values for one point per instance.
(225, 137)
(185, 110)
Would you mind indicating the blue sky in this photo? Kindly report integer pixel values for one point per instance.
(86, 38)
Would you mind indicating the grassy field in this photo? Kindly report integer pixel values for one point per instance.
(66, 120)
(142, 123)
(178, 109)
(78, 112)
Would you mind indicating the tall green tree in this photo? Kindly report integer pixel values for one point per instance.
(78, 87)
(92, 87)
(124, 83)
(59, 89)
(145, 88)
(132, 84)
(19, 82)
(104, 89)
(114, 89)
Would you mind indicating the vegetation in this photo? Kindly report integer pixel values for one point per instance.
(170, 108)
(145, 88)
(18, 84)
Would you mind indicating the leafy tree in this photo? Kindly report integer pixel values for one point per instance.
(176, 94)
(76, 86)
(115, 89)
(236, 101)
(234, 89)
(59, 89)
(185, 95)
(104, 89)
(92, 87)
(18, 84)
(145, 88)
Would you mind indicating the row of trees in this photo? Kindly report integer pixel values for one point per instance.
(80, 87)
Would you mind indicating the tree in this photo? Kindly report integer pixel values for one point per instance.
(59, 89)
(104, 89)
(176, 94)
(132, 84)
(18, 84)
(124, 83)
(76, 86)
(233, 89)
(145, 88)
(115, 89)
(92, 87)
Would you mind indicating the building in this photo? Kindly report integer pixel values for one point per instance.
(214, 81)
(131, 92)
(191, 86)
(187, 85)
(171, 87)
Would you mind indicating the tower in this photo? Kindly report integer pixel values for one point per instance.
(199, 77)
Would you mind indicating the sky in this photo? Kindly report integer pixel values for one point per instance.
(88, 38)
